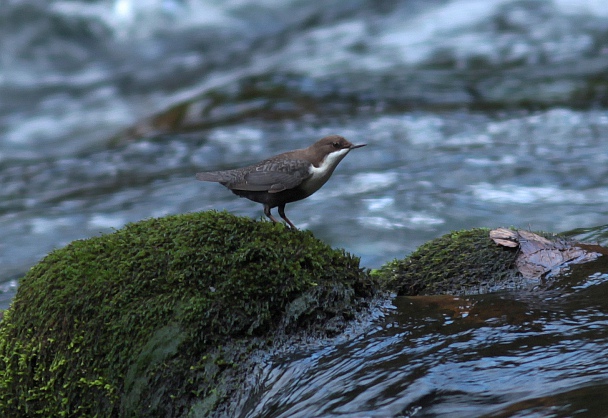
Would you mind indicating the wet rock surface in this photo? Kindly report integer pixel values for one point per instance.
(538, 255)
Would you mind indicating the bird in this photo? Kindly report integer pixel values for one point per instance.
(286, 177)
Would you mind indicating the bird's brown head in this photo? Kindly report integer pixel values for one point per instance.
(333, 143)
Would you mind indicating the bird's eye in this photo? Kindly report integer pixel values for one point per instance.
(336, 145)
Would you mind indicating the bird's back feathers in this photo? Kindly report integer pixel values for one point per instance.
(272, 175)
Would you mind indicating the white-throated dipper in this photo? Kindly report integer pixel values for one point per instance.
(286, 177)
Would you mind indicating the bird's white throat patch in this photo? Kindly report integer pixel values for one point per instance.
(321, 174)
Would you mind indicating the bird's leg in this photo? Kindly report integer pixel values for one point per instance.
(282, 214)
(267, 213)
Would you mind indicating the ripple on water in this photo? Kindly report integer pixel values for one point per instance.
(512, 351)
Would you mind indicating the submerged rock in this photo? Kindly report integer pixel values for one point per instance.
(470, 261)
(161, 317)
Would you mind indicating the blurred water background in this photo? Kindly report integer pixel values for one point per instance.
(476, 112)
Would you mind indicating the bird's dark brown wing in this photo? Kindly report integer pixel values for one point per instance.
(272, 175)
(275, 175)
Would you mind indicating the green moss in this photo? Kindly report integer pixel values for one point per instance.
(460, 262)
(156, 318)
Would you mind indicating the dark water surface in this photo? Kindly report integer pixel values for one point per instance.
(477, 113)
(532, 354)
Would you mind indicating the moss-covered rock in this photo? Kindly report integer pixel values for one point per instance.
(158, 318)
(460, 262)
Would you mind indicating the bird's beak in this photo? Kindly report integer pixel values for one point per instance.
(357, 146)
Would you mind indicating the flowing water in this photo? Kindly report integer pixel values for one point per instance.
(477, 113)
(502, 354)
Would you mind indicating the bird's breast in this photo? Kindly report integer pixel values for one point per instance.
(322, 173)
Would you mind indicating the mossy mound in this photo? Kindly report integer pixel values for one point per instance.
(157, 318)
(460, 262)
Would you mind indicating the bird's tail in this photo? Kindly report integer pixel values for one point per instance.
(210, 176)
